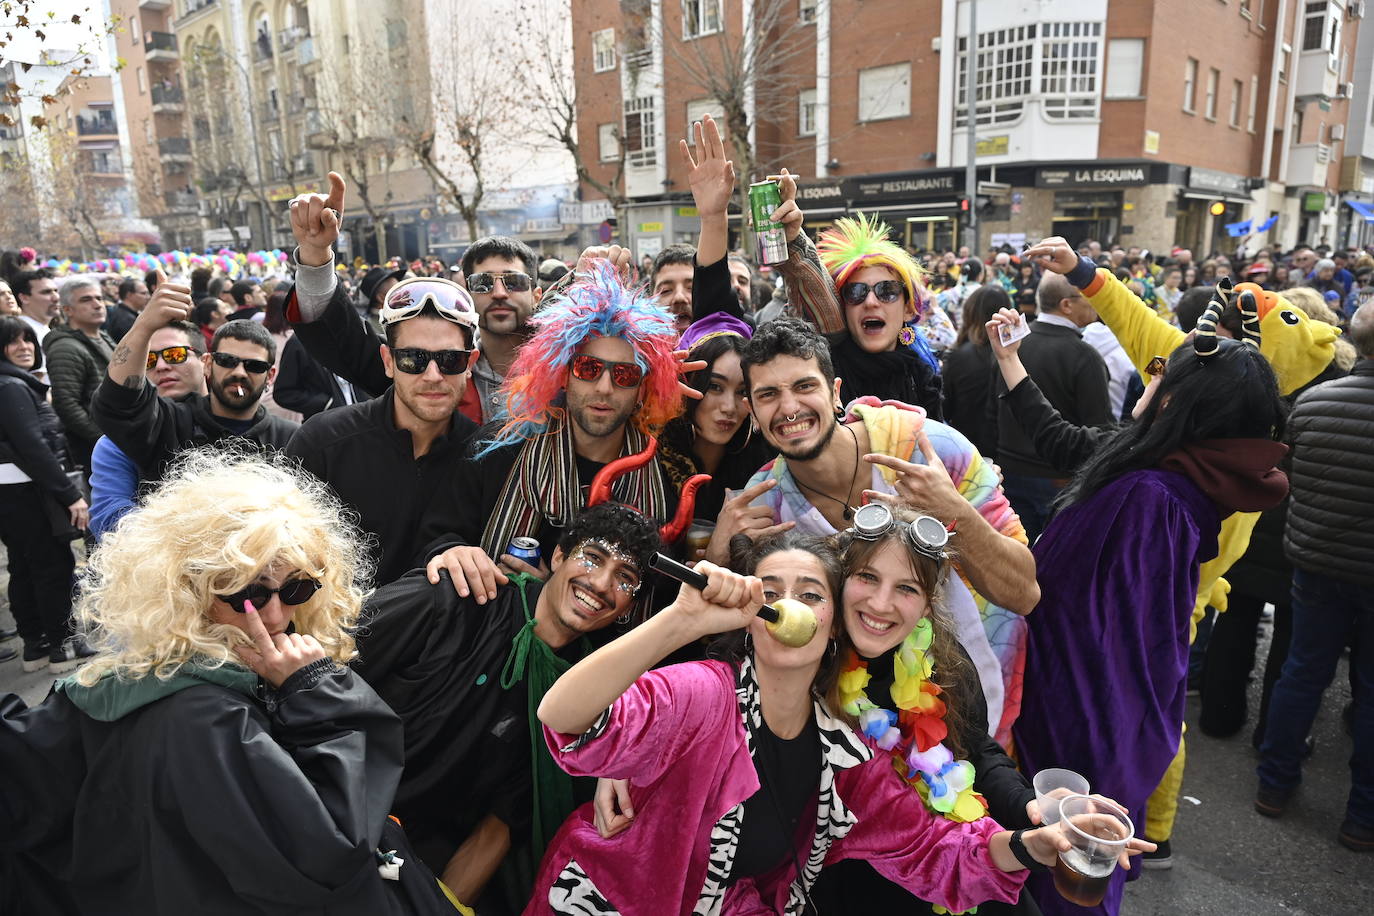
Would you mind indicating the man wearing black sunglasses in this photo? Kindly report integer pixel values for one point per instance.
(151, 430)
(499, 274)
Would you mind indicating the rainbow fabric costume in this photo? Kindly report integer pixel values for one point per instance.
(994, 637)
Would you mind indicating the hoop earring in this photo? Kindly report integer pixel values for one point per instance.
(748, 644)
(748, 434)
(832, 649)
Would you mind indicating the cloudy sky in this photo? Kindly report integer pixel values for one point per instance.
(58, 29)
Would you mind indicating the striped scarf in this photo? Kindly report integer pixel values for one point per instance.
(543, 485)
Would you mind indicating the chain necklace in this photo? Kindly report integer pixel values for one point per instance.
(848, 509)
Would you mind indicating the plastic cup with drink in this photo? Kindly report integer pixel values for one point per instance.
(1098, 832)
(1053, 785)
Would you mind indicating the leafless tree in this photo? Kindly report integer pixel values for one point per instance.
(17, 195)
(31, 19)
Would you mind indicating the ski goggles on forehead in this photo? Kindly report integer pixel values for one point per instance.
(885, 291)
(409, 297)
(925, 533)
(513, 280)
(588, 368)
(292, 593)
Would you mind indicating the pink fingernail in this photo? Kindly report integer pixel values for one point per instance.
(248, 607)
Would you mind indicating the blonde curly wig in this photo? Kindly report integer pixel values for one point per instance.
(216, 522)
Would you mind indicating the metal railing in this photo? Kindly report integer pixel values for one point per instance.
(96, 124)
(159, 41)
(168, 95)
(172, 146)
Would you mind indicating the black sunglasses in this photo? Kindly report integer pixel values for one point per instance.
(885, 290)
(514, 281)
(230, 361)
(292, 593)
(414, 361)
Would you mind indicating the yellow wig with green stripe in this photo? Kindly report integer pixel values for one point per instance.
(863, 242)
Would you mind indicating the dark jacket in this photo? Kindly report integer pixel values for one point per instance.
(967, 386)
(1331, 518)
(152, 430)
(118, 320)
(30, 433)
(302, 384)
(1057, 442)
(895, 375)
(1073, 377)
(203, 796)
(76, 366)
(371, 465)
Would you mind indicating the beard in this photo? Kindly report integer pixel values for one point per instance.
(233, 400)
(599, 427)
(812, 452)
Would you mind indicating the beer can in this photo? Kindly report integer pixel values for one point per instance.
(526, 549)
(771, 240)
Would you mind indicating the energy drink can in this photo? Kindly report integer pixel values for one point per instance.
(526, 549)
(764, 198)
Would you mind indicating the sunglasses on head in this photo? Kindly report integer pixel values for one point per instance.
(588, 368)
(414, 360)
(513, 280)
(409, 297)
(230, 361)
(291, 593)
(885, 290)
(172, 356)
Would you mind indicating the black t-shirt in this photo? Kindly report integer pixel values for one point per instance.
(789, 774)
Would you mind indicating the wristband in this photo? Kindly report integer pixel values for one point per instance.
(1018, 849)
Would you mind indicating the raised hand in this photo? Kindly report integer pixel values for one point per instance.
(315, 221)
(1053, 253)
(276, 658)
(170, 302)
(728, 602)
(621, 259)
(789, 214)
(712, 177)
(686, 366)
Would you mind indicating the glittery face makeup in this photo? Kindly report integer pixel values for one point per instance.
(596, 553)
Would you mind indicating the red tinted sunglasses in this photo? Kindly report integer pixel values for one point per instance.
(588, 368)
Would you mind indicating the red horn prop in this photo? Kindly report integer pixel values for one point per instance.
(686, 505)
(601, 483)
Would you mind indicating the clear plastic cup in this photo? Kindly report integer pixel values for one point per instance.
(1053, 785)
(1097, 831)
(699, 535)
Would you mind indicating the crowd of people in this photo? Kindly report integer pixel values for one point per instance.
(416, 635)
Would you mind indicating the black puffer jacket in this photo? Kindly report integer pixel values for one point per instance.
(1331, 519)
(76, 366)
(31, 434)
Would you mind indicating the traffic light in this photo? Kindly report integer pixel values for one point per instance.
(1217, 208)
(963, 204)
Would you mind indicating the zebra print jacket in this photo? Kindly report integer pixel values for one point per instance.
(679, 736)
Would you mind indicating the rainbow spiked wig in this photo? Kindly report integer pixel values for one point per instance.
(856, 243)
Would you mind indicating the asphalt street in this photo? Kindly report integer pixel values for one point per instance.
(1228, 860)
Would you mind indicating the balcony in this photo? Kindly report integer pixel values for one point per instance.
(268, 113)
(305, 51)
(303, 164)
(1308, 165)
(160, 46)
(262, 48)
(318, 134)
(1317, 76)
(193, 8)
(97, 125)
(168, 100)
(175, 149)
(180, 201)
(154, 5)
(289, 38)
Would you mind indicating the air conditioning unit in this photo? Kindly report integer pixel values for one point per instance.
(1347, 90)
(1337, 132)
(1356, 9)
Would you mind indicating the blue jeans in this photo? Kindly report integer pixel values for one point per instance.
(1327, 614)
(1030, 498)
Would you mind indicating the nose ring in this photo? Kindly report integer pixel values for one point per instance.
(792, 419)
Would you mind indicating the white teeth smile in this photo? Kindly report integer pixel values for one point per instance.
(789, 429)
(881, 626)
(587, 601)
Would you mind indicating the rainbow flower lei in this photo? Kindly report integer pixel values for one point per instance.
(915, 733)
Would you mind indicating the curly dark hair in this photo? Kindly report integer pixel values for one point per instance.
(787, 337)
(616, 524)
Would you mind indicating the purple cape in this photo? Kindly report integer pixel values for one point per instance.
(1107, 663)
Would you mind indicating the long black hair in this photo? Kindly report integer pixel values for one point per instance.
(678, 432)
(1232, 394)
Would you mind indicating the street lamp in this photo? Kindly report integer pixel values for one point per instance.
(971, 100)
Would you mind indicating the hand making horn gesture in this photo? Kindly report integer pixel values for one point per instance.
(315, 221)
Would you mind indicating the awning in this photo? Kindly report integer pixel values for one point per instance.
(1215, 195)
(1362, 208)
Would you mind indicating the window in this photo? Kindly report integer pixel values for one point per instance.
(885, 92)
(134, 30)
(806, 10)
(1314, 25)
(1236, 89)
(1006, 76)
(608, 145)
(1254, 100)
(142, 80)
(1245, 8)
(603, 50)
(148, 136)
(1190, 86)
(1070, 52)
(1213, 78)
(640, 146)
(700, 17)
(1125, 60)
(806, 113)
(700, 108)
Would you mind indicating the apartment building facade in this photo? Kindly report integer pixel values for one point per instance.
(1152, 123)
